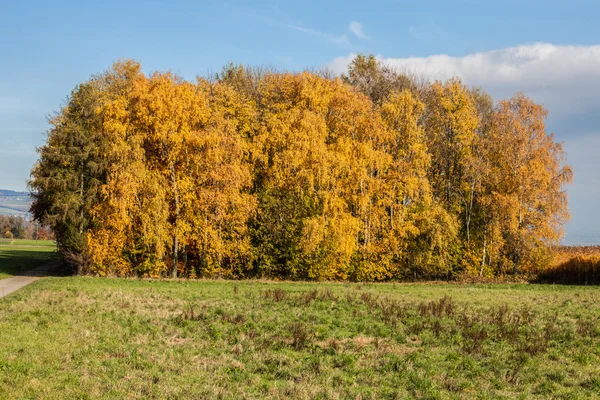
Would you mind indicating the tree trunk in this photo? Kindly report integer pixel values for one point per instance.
(484, 254)
(81, 206)
(175, 256)
(175, 223)
(469, 214)
(185, 258)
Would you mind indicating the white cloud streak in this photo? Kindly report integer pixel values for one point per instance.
(281, 19)
(357, 29)
(341, 40)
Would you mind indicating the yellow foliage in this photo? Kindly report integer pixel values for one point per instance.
(300, 176)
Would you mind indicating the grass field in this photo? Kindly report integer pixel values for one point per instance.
(19, 255)
(80, 337)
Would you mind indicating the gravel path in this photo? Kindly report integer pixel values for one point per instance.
(9, 285)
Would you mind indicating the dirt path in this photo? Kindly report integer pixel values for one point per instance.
(9, 285)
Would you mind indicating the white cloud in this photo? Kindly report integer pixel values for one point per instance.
(357, 29)
(281, 19)
(284, 59)
(565, 78)
(341, 40)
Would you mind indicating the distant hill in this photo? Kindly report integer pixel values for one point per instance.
(5, 192)
(14, 203)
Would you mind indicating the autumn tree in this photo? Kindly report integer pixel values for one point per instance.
(527, 184)
(12, 227)
(377, 80)
(418, 228)
(304, 226)
(373, 176)
(218, 207)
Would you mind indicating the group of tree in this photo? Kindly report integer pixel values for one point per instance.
(12, 227)
(374, 175)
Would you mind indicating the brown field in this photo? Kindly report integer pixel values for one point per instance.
(573, 265)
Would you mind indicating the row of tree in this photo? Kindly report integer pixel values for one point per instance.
(12, 227)
(372, 176)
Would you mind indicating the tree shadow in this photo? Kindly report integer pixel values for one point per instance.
(30, 262)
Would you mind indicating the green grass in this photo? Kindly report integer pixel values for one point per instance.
(83, 337)
(27, 242)
(19, 255)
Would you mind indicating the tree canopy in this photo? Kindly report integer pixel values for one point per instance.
(373, 176)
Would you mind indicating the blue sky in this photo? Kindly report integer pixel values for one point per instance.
(547, 49)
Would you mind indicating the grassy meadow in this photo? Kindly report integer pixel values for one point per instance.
(20, 255)
(81, 337)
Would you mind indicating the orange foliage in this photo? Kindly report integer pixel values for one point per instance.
(371, 177)
(578, 265)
